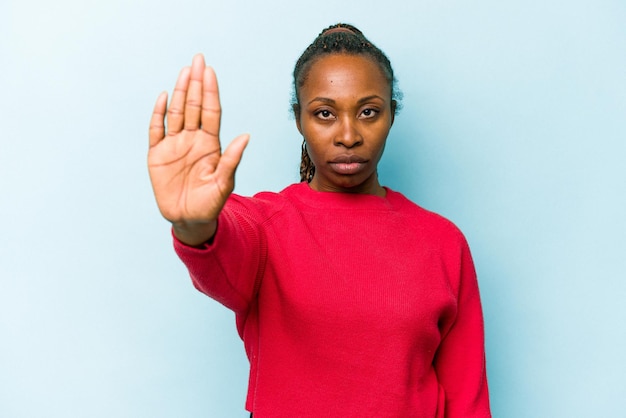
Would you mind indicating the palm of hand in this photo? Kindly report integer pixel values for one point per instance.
(183, 169)
(190, 176)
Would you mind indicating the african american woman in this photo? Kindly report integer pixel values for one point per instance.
(351, 300)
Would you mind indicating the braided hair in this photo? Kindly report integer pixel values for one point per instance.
(340, 38)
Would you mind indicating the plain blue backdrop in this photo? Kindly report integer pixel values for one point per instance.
(513, 127)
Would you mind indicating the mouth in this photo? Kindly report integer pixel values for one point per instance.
(347, 164)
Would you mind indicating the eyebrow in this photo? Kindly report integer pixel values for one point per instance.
(331, 101)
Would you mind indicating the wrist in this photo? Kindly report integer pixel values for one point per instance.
(194, 234)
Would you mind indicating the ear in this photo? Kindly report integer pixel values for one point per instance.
(394, 105)
(296, 114)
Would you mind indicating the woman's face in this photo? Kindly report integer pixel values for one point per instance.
(345, 115)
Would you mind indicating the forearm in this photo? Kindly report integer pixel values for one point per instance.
(226, 266)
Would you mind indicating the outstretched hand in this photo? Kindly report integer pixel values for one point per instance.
(191, 177)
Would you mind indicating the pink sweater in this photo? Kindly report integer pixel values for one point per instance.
(348, 305)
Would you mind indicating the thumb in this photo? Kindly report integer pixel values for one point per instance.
(231, 157)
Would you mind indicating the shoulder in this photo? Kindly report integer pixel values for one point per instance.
(264, 204)
(426, 221)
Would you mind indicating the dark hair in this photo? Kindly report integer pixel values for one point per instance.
(341, 38)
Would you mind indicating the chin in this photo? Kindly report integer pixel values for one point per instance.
(356, 184)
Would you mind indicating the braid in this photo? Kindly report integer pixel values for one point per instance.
(307, 169)
(341, 38)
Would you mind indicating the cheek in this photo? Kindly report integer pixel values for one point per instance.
(314, 150)
(314, 137)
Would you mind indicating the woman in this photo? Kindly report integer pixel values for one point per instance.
(350, 299)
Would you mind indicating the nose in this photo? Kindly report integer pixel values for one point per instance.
(348, 134)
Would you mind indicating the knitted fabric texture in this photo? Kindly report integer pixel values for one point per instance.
(348, 305)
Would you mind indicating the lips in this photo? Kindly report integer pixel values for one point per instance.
(348, 159)
(347, 164)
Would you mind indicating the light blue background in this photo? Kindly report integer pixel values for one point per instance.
(513, 127)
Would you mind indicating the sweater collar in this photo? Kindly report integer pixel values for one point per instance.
(303, 192)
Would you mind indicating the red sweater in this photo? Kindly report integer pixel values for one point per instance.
(349, 305)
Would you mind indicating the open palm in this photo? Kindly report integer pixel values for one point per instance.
(191, 178)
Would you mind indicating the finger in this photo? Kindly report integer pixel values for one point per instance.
(211, 109)
(193, 103)
(175, 112)
(231, 158)
(157, 129)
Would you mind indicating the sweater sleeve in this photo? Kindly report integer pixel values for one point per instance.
(229, 267)
(460, 360)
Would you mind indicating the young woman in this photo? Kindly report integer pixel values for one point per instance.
(351, 300)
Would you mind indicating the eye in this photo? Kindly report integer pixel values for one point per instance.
(368, 113)
(324, 114)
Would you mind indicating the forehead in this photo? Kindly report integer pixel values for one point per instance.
(334, 73)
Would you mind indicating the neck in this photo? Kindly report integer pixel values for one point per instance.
(370, 186)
